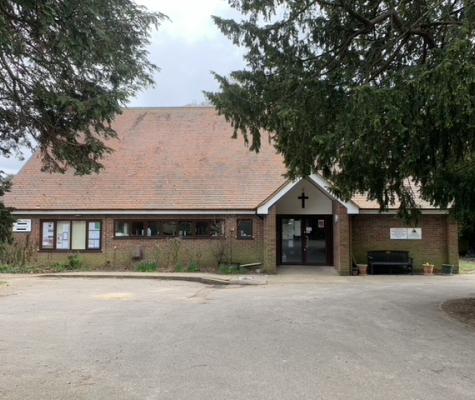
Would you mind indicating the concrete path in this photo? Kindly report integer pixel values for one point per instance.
(205, 278)
(347, 338)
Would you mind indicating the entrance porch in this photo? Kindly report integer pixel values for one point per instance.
(305, 225)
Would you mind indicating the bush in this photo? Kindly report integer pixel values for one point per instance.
(147, 266)
(16, 254)
(194, 266)
(74, 263)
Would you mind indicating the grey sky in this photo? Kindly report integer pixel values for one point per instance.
(186, 49)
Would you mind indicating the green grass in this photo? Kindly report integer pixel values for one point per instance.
(147, 267)
(466, 266)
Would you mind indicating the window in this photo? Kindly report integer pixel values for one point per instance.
(71, 235)
(47, 235)
(244, 228)
(169, 228)
(153, 228)
(94, 235)
(79, 235)
(138, 228)
(122, 228)
(185, 229)
(216, 228)
(63, 229)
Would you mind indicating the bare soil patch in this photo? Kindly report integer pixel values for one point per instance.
(461, 309)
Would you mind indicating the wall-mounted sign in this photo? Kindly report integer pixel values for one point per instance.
(321, 223)
(22, 225)
(398, 233)
(414, 233)
(405, 233)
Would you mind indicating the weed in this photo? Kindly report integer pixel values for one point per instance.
(194, 266)
(147, 266)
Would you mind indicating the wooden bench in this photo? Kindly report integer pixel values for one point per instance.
(389, 261)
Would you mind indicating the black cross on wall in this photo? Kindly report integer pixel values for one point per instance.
(303, 197)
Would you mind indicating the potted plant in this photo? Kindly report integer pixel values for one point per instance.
(363, 269)
(428, 268)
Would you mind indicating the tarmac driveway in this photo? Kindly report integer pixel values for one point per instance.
(366, 338)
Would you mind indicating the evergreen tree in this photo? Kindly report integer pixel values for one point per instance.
(66, 68)
(378, 96)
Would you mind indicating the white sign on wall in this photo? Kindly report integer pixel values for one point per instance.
(398, 233)
(414, 233)
(22, 225)
(405, 233)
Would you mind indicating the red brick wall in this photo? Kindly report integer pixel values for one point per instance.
(439, 243)
(270, 241)
(119, 252)
(341, 239)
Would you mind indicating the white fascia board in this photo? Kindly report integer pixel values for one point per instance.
(434, 211)
(317, 180)
(135, 212)
(323, 184)
(264, 208)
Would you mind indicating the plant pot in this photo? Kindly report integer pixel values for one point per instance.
(429, 270)
(363, 269)
(447, 269)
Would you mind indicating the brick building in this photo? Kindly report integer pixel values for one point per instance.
(176, 173)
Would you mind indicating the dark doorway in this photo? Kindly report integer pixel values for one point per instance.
(305, 239)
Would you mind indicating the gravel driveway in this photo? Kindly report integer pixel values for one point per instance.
(366, 338)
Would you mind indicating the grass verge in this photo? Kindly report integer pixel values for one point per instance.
(467, 266)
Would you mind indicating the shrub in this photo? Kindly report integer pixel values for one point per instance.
(17, 253)
(194, 266)
(147, 266)
(168, 252)
(74, 262)
(219, 252)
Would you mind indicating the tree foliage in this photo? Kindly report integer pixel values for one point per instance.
(66, 68)
(378, 96)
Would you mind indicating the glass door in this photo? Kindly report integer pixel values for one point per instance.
(306, 240)
(315, 241)
(291, 241)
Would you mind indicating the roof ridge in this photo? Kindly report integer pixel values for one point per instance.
(164, 107)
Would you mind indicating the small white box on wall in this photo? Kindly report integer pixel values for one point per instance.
(22, 225)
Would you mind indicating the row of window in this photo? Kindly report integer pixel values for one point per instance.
(86, 235)
(169, 228)
(71, 235)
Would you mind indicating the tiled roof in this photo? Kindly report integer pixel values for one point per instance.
(363, 203)
(164, 159)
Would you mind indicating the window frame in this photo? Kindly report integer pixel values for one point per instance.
(238, 233)
(70, 250)
(177, 222)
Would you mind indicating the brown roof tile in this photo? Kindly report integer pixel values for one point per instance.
(165, 158)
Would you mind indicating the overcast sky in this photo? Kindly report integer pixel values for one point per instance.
(186, 49)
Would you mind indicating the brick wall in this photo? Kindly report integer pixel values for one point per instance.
(270, 241)
(439, 243)
(118, 252)
(341, 239)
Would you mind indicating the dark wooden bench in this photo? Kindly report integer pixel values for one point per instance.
(389, 261)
